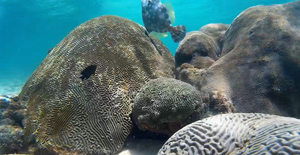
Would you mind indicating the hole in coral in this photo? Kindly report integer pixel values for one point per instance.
(87, 72)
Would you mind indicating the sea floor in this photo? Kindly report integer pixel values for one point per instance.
(142, 147)
(143, 142)
(11, 86)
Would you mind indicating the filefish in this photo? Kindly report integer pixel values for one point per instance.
(157, 19)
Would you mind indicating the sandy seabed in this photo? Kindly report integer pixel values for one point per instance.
(11, 86)
(142, 147)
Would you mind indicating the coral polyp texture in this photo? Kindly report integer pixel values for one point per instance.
(80, 96)
(165, 105)
(259, 65)
(197, 49)
(215, 31)
(239, 133)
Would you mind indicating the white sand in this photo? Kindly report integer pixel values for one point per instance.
(142, 147)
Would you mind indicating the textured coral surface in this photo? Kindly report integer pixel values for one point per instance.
(80, 96)
(198, 49)
(239, 133)
(259, 65)
(164, 103)
(215, 31)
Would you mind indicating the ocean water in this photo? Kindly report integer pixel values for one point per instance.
(29, 28)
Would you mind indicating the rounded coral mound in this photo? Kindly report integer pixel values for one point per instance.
(259, 68)
(215, 31)
(197, 49)
(165, 105)
(80, 96)
(239, 133)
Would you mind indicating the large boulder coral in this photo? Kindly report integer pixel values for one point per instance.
(259, 68)
(165, 105)
(239, 133)
(197, 49)
(201, 48)
(215, 31)
(79, 98)
(217, 101)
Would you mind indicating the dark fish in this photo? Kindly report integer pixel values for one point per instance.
(87, 72)
(49, 50)
(156, 18)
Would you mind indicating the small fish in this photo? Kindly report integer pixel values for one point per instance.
(50, 50)
(156, 18)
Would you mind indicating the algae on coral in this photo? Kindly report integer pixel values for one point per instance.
(91, 116)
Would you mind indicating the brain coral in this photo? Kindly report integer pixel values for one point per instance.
(80, 96)
(239, 133)
(164, 104)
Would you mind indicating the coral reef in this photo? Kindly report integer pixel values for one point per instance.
(80, 96)
(189, 74)
(239, 133)
(108, 80)
(215, 31)
(197, 49)
(11, 139)
(259, 68)
(11, 124)
(259, 61)
(165, 105)
(218, 102)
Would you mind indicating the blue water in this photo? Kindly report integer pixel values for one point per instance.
(29, 28)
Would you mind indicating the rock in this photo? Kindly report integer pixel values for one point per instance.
(16, 98)
(202, 62)
(165, 105)
(10, 139)
(15, 112)
(239, 133)
(197, 49)
(16, 115)
(259, 68)
(79, 98)
(6, 121)
(12, 112)
(11, 124)
(4, 102)
(215, 31)
(219, 102)
(189, 74)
